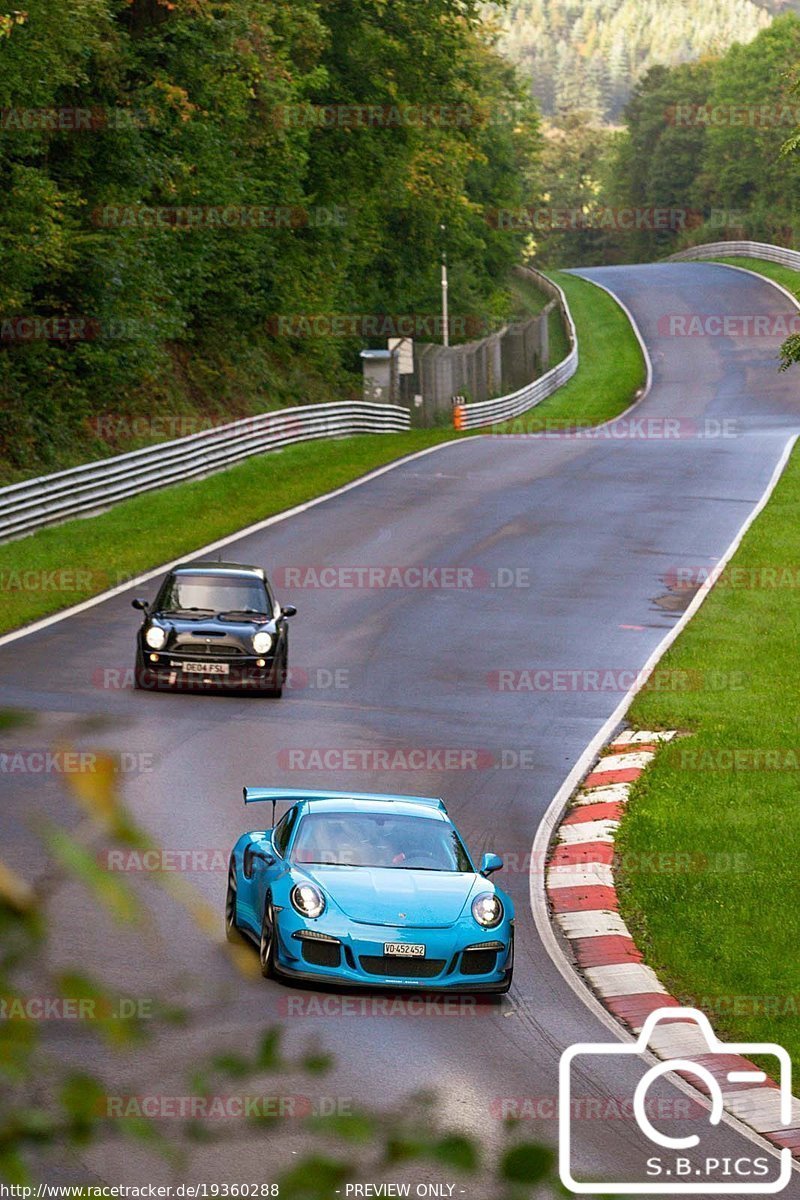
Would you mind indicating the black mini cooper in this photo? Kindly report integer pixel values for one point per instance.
(214, 625)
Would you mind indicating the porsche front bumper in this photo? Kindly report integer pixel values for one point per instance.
(461, 957)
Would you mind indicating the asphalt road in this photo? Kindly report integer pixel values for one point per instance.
(568, 547)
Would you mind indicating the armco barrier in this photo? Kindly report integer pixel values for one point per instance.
(491, 412)
(776, 254)
(49, 499)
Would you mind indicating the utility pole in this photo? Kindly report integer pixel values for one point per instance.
(445, 311)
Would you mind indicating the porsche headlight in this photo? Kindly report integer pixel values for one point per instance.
(262, 642)
(487, 910)
(308, 900)
(155, 637)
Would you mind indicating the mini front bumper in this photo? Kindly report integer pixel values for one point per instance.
(461, 957)
(241, 672)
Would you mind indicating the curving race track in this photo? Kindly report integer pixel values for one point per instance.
(587, 530)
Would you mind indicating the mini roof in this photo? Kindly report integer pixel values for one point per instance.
(218, 568)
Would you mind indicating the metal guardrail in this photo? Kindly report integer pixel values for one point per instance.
(50, 499)
(491, 412)
(81, 491)
(776, 254)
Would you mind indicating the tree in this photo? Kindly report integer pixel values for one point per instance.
(210, 109)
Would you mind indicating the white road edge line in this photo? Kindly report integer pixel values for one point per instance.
(550, 820)
(557, 805)
(275, 519)
(713, 262)
(648, 363)
(101, 597)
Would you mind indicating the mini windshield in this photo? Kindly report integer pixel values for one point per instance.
(377, 840)
(209, 593)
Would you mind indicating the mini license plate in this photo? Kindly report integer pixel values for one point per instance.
(198, 668)
(404, 950)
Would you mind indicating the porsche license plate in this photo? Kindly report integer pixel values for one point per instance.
(199, 668)
(403, 950)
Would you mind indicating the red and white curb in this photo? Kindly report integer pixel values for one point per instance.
(583, 902)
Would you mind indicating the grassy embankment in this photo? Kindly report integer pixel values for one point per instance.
(90, 555)
(724, 933)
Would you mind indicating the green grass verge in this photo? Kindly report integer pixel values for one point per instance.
(784, 275)
(14, 718)
(557, 337)
(530, 301)
(720, 921)
(611, 367)
(82, 558)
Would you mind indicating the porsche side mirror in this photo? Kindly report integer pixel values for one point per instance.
(142, 605)
(250, 855)
(288, 610)
(491, 863)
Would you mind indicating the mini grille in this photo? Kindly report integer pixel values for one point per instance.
(207, 653)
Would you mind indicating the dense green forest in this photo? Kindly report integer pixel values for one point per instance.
(702, 141)
(587, 54)
(182, 179)
(172, 183)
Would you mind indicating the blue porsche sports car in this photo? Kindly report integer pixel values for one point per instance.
(370, 891)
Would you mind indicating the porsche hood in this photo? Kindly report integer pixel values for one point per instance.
(394, 896)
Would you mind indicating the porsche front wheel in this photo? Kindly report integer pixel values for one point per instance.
(231, 929)
(266, 946)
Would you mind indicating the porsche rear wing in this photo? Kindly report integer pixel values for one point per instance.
(275, 796)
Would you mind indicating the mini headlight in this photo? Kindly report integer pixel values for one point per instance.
(155, 637)
(262, 642)
(487, 910)
(308, 900)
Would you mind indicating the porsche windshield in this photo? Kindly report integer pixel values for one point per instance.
(379, 840)
(214, 594)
